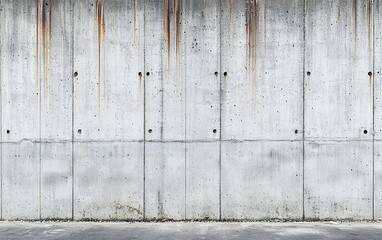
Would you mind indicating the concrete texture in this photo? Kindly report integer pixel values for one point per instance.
(190, 230)
(190, 110)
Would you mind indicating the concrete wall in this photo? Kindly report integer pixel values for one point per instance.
(175, 109)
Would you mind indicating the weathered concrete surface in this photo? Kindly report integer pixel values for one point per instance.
(175, 109)
(251, 169)
(338, 156)
(119, 231)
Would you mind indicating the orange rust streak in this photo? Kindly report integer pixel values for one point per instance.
(44, 47)
(50, 25)
(369, 25)
(251, 37)
(166, 21)
(369, 13)
(103, 32)
(37, 43)
(178, 9)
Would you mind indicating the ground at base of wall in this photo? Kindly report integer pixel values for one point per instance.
(189, 230)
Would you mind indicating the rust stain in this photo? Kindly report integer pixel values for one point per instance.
(167, 28)
(43, 39)
(137, 34)
(50, 24)
(231, 11)
(169, 8)
(46, 26)
(37, 43)
(178, 13)
(369, 33)
(101, 34)
(251, 39)
(339, 14)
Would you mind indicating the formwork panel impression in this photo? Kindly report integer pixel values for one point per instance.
(108, 56)
(201, 23)
(108, 181)
(339, 57)
(56, 181)
(202, 181)
(20, 183)
(377, 74)
(20, 70)
(165, 70)
(262, 82)
(262, 180)
(338, 183)
(55, 62)
(20, 125)
(108, 109)
(165, 181)
(377, 109)
(377, 180)
(338, 110)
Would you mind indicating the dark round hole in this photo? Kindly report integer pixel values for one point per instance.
(148, 74)
(216, 73)
(214, 131)
(79, 131)
(365, 131)
(225, 73)
(139, 74)
(150, 130)
(296, 131)
(75, 74)
(370, 74)
(308, 73)
(8, 131)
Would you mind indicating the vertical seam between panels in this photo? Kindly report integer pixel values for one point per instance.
(303, 109)
(40, 127)
(373, 163)
(185, 113)
(72, 79)
(1, 115)
(220, 110)
(144, 111)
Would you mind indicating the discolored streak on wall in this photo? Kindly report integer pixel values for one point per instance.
(191, 110)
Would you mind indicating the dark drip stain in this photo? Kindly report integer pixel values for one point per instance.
(355, 18)
(160, 206)
(46, 26)
(231, 12)
(166, 7)
(251, 39)
(370, 35)
(178, 13)
(37, 47)
(169, 8)
(135, 20)
(101, 35)
(137, 39)
(43, 39)
(265, 29)
(339, 14)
